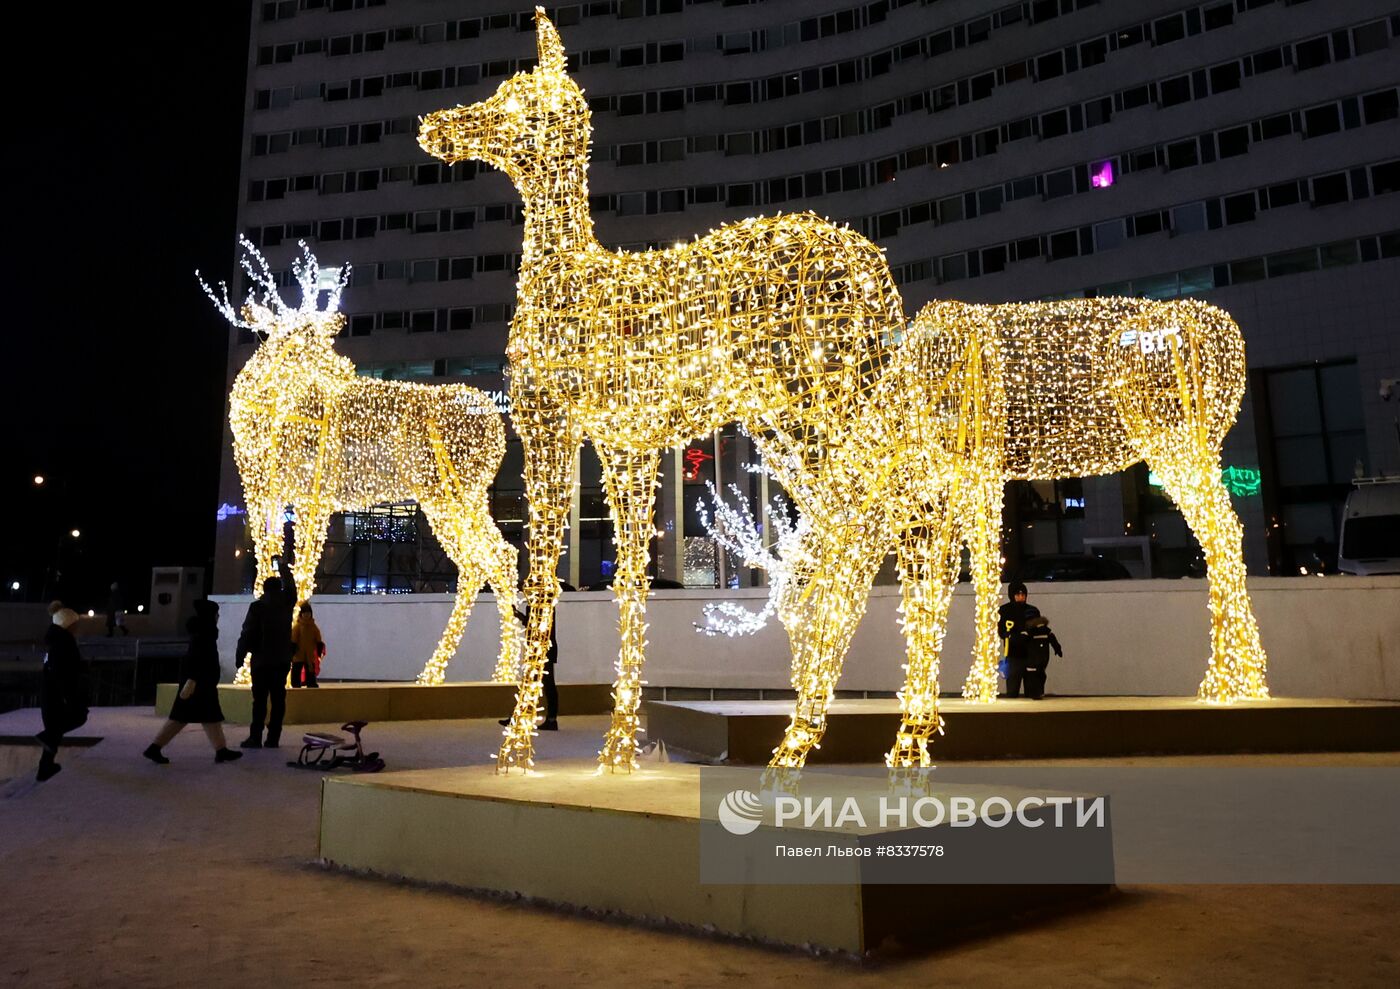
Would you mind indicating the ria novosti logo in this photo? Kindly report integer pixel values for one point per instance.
(741, 812)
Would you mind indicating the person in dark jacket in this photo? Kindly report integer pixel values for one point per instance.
(267, 635)
(547, 684)
(1013, 627)
(1028, 643)
(63, 690)
(116, 611)
(1039, 641)
(198, 699)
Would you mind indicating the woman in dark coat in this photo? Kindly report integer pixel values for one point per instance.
(198, 700)
(63, 693)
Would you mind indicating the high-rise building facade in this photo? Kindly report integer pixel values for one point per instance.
(1243, 151)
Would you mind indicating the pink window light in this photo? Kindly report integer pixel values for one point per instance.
(1101, 175)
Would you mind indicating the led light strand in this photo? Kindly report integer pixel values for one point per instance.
(735, 530)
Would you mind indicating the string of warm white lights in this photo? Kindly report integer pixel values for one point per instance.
(309, 433)
(784, 325)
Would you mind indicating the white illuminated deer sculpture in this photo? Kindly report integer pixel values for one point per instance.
(309, 433)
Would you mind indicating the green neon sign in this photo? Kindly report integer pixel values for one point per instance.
(1242, 482)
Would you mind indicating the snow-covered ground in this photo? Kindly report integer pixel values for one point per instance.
(121, 873)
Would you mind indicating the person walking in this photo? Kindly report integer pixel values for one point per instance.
(116, 611)
(198, 700)
(306, 640)
(63, 689)
(267, 635)
(1013, 628)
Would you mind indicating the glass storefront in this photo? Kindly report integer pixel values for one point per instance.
(1312, 443)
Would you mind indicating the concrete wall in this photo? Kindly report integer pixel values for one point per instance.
(1326, 637)
(23, 624)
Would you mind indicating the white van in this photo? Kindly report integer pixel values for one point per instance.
(1370, 539)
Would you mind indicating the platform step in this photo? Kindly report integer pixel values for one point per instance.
(862, 731)
(340, 702)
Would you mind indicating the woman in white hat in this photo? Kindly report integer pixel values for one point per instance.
(63, 691)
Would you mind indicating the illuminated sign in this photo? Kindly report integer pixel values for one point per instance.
(227, 511)
(1149, 341)
(1242, 482)
(694, 457)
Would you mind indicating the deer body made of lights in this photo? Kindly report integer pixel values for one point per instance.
(977, 395)
(779, 324)
(308, 432)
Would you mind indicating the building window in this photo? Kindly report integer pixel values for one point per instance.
(389, 549)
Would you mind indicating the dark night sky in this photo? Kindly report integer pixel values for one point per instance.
(121, 173)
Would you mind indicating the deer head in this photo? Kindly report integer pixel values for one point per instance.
(532, 121)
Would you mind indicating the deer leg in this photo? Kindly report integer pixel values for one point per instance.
(549, 479)
(1179, 436)
(265, 519)
(820, 627)
(981, 521)
(267, 539)
(1237, 661)
(630, 480)
(504, 577)
(461, 539)
(929, 557)
(308, 541)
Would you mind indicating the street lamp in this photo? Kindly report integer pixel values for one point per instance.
(58, 504)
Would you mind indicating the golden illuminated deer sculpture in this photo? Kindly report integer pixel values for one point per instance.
(976, 395)
(779, 324)
(308, 432)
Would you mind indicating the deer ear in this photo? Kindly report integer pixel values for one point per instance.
(551, 48)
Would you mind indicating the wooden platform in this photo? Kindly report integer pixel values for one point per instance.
(341, 702)
(636, 845)
(862, 731)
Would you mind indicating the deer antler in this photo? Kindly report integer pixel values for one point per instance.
(735, 529)
(263, 309)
